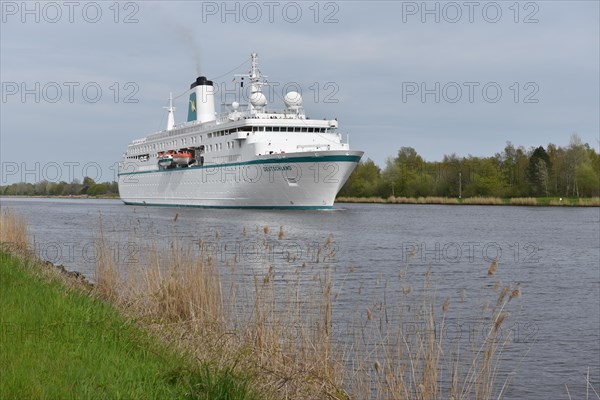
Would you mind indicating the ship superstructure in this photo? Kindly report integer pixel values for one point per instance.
(246, 156)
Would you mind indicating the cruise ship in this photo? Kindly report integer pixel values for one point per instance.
(246, 156)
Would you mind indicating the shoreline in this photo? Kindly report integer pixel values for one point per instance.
(82, 197)
(479, 201)
(427, 200)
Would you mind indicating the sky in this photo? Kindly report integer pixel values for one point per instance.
(81, 79)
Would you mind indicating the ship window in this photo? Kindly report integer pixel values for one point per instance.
(209, 135)
(311, 129)
(304, 129)
(269, 128)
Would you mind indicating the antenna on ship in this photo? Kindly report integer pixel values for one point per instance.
(171, 116)
(257, 99)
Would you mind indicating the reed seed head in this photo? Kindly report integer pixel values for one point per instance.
(445, 305)
(266, 229)
(500, 320)
(515, 293)
(377, 366)
(281, 234)
(493, 267)
(503, 294)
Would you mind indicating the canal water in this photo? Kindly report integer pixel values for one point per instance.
(377, 253)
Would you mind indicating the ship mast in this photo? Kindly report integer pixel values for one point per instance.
(171, 116)
(258, 101)
(254, 75)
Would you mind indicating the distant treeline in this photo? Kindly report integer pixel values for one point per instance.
(76, 188)
(572, 171)
(515, 172)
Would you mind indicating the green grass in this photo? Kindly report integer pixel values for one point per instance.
(59, 343)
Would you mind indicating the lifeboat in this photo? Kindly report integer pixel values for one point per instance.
(182, 158)
(165, 159)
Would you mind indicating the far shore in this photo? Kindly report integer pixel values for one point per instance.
(78, 196)
(479, 201)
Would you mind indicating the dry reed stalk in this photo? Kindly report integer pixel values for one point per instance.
(282, 327)
(13, 230)
(484, 201)
(591, 202)
(180, 290)
(524, 201)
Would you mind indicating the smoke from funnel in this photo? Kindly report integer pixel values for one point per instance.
(186, 36)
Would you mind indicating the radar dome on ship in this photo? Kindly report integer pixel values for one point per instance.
(258, 99)
(292, 99)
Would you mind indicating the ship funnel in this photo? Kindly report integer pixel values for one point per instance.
(202, 102)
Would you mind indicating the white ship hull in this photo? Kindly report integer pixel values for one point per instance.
(302, 180)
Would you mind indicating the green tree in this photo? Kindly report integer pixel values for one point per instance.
(364, 181)
(538, 172)
(97, 189)
(87, 184)
(587, 180)
(402, 173)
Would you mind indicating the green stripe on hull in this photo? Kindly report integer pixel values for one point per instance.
(233, 207)
(338, 158)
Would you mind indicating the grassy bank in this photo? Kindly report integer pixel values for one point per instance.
(59, 341)
(485, 201)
